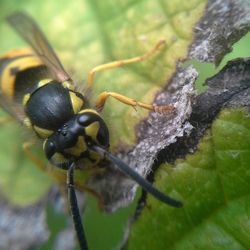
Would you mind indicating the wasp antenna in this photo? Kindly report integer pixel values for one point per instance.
(147, 186)
(75, 209)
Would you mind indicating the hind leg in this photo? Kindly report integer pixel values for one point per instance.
(120, 63)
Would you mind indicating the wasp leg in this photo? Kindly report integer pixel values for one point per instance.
(120, 63)
(32, 156)
(101, 99)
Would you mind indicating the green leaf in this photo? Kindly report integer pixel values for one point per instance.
(213, 184)
(21, 182)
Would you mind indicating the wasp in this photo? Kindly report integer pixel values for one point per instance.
(40, 94)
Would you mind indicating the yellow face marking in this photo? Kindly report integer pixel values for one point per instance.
(76, 102)
(8, 76)
(95, 156)
(27, 122)
(58, 158)
(44, 143)
(79, 148)
(87, 163)
(44, 82)
(88, 110)
(68, 85)
(42, 132)
(26, 99)
(92, 130)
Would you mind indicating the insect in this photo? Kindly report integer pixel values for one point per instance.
(41, 95)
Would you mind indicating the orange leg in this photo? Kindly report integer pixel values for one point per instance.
(102, 98)
(120, 63)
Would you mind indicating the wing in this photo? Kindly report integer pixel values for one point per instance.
(32, 34)
(12, 108)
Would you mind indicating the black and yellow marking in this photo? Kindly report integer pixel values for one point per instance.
(68, 85)
(42, 132)
(43, 82)
(26, 99)
(92, 130)
(27, 122)
(58, 159)
(88, 110)
(76, 101)
(53, 105)
(79, 148)
(9, 76)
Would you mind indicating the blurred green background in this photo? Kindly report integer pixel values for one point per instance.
(104, 231)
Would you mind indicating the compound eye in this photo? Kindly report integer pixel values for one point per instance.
(49, 149)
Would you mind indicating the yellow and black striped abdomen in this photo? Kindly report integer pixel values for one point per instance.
(20, 71)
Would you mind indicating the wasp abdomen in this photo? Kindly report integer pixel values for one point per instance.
(20, 72)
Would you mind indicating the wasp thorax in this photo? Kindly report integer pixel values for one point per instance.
(73, 141)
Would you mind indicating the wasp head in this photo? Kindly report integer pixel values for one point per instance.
(75, 138)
